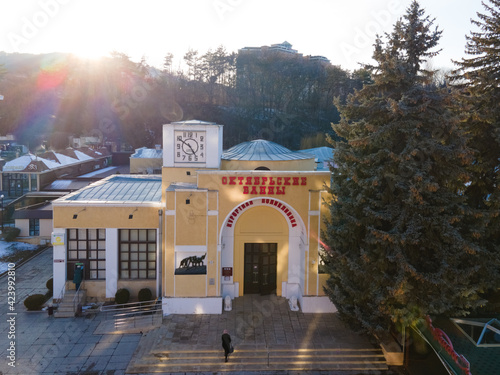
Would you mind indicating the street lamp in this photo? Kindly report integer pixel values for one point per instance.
(1, 199)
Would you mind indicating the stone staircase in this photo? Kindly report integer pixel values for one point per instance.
(66, 308)
(253, 359)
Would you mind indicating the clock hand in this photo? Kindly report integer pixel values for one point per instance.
(192, 150)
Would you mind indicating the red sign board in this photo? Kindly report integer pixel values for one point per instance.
(227, 271)
(264, 185)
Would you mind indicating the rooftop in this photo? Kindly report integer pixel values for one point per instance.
(263, 150)
(52, 160)
(119, 188)
(323, 155)
(42, 210)
(147, 153)
(194, 122)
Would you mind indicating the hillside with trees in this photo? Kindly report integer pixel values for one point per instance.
(276, 96)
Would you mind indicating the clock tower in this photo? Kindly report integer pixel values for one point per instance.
(192, 144)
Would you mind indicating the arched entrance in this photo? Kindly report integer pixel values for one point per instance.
(262, 244)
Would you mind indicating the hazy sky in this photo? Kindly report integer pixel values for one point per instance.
(342, 30)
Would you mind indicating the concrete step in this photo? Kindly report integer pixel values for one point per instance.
(66, 308)
(262, 360)
(64, 314)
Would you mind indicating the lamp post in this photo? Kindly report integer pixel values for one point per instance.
(1, 199)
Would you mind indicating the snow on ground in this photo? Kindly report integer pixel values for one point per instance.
(9, 248)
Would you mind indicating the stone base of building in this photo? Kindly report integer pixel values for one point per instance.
(192, 305)
(316, 305)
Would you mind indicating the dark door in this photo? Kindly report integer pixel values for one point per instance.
(260, 268)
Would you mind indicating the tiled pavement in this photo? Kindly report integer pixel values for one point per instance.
(46, 345)
(267, 336)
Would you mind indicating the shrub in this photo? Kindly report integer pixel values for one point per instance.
(145, 295)
(10, 233)
(34, 302)
(122, 296)
(50, 284)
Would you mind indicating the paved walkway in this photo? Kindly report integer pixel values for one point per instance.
(46, 345)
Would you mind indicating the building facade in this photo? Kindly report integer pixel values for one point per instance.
(214, 224)
(33, 172)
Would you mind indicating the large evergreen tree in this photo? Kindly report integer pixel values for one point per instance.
(477, 81)
(395, 250)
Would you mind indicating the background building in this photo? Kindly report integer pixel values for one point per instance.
(33, 172)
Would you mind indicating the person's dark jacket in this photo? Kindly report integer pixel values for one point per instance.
(226, 343)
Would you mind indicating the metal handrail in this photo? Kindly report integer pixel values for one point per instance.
(77, 298)
(124, 321)
(114, 307)
(115, 310)
(63, 290)
(131, 315)
(138, 312)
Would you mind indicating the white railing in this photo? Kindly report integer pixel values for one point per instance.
(132, 314)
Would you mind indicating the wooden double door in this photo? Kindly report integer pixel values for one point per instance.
(260, 268)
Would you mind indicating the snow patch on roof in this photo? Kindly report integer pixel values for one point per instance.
(49, 163)
(147, 153)
(81, 156)
(22, 162)
(18, 164)
(65, 160)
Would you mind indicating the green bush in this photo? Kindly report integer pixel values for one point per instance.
(145, 295)
(122, 296)
(50, 284)
(34, 302)
(11, 233)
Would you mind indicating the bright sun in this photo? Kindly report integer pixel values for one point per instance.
(89, 51)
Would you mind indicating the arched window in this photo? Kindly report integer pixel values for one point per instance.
(262, 169)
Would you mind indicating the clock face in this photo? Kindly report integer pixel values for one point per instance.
(190, 146)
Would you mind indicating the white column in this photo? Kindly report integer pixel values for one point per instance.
(111, 262)
(59, 243)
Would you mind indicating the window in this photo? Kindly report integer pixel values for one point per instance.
(34, 227)
(137, 253)
(88, 246)
(16, 184)
(34, 186)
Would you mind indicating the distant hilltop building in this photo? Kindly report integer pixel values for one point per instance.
(285, 48)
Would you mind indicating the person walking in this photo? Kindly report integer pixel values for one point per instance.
(78, 276)
(226, 343)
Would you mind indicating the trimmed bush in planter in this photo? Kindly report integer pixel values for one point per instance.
(11, 233)
(34, 302)
(50, 284)
(122, 296)
(145, 295)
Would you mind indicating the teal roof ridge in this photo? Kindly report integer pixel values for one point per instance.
(263, 150)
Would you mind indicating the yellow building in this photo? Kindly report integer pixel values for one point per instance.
(214, 224)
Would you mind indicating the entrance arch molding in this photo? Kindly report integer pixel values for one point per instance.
(297, 243)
